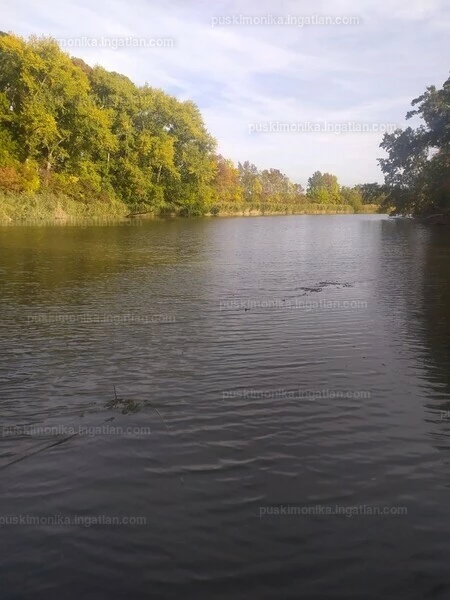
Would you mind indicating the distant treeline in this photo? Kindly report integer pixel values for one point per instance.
(90, 135)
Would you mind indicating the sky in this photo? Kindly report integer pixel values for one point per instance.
(312, 92)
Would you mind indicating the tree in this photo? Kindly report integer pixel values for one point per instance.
(323, 188)
(372, 193)
(417, 170)
(352, 197)
(226, 181)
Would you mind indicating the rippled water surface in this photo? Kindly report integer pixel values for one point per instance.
(269, 372)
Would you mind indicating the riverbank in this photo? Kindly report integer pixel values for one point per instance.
(306, 209)
(25, 209)
(52, 208)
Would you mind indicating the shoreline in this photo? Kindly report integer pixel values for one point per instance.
(61, 210)
(114, 220)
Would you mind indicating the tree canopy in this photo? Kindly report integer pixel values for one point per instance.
(417, 170)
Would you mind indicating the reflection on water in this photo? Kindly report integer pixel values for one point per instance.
(233, 384)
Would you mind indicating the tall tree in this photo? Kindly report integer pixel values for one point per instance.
(417, 170)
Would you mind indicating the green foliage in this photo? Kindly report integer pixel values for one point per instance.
(417, 170)
(55, 208)
(94, 134)
(372, 193)
(353, 197)
(323, 188)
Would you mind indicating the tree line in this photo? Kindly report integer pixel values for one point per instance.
(93, 135)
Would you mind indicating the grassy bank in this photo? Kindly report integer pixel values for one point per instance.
(58, 208)
(52, 208)
(294, 209)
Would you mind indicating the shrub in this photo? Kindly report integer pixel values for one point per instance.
(10, 180)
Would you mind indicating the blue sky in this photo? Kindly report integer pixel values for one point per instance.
(246, 75)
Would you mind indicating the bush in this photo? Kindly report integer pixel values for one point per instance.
(84, 189)
(10, 180)
(17, 178)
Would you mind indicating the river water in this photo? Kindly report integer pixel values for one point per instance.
(225, 408)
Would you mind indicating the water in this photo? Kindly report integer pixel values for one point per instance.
(290, 364)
